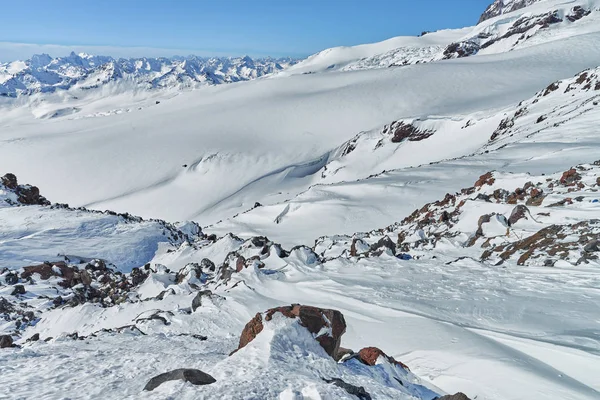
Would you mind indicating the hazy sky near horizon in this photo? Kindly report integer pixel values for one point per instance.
(295, 28)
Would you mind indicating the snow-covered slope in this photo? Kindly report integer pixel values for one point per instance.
(448, 210)
(505, 26)
(43, 74)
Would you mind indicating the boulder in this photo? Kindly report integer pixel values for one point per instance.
(370, 355)
(326, 325)
(18, 289)
(193, 376)
(6, 341)
(591, 246)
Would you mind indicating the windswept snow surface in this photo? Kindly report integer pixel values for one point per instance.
(336, 145)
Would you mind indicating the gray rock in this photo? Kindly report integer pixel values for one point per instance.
(592, 246)
(19, 289)
(197, 302)
(11, 278)
(357, 391)
(457, 396)
(6, 341)
(193, 376)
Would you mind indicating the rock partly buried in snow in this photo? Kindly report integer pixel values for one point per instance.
(327, 326)
(6, 341)
(357, 391)
(197, 302)
(25, 194)
(457, 396)
(193, 376)
(370, 355)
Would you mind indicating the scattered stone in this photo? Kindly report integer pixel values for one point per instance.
(592, 246)
(193, 376)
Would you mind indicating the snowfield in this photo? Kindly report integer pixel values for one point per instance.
(442, 192)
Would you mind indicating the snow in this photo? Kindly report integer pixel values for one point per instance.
(313, 146)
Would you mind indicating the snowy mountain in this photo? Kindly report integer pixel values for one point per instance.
(523, 23)
(43, 73)
(400, 220)
(499, 7)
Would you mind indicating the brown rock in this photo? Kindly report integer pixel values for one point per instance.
(10, 181)
(240, 264)
(570, 177)
(369, 356)
(485, 179)
(312, 318)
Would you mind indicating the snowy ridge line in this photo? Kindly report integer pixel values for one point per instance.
(44, 74)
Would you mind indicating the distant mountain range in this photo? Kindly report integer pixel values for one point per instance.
(43, 74)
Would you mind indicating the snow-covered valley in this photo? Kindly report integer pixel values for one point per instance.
(441, 192)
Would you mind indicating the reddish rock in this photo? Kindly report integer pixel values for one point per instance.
(314, 319)
(369, 356)
(518, 213)
(570, 177)
(240, 264)
(485, 179)
(46, 271)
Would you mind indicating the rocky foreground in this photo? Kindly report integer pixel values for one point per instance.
(181, 289)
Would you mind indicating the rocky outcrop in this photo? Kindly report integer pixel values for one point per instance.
(193, 376)
(499, 7)
(25, 194)
(326, 325)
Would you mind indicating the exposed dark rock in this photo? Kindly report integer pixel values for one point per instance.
(6, 341)
(519, 212)
(357, 391)
(401, 130)
(461, 49)
(193, 376)
(19, 289)
(457, 396)
(11, 278)
(382, 244)
(10, 181)
(197, 302)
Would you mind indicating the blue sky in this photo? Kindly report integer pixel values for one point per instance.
(229, 27)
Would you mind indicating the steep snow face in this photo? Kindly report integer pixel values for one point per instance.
(499, 7)
(43, 73)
